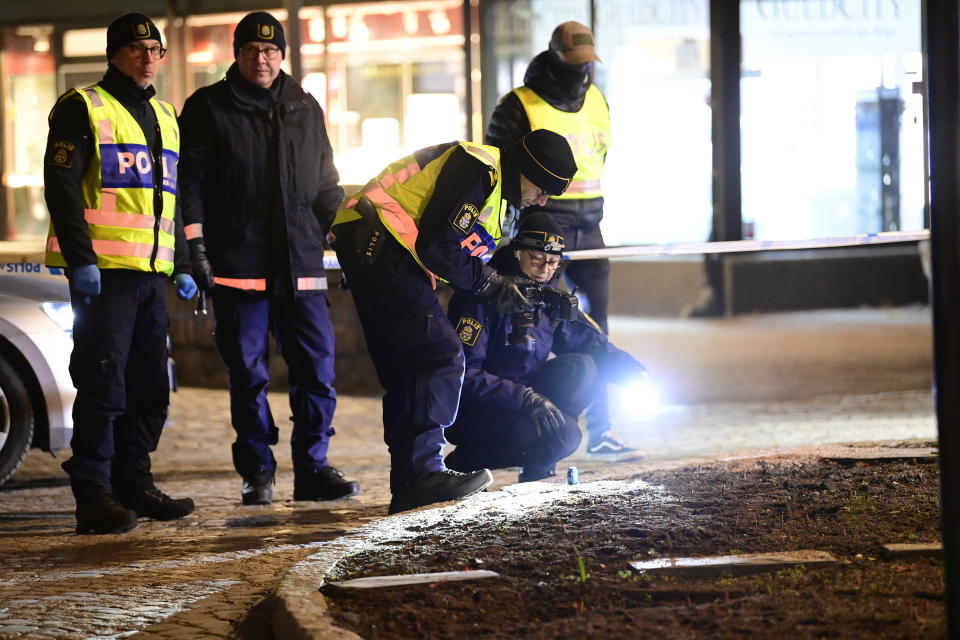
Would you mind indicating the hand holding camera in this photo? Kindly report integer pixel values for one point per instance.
(504, 293)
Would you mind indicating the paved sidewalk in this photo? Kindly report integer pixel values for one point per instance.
(738, 385)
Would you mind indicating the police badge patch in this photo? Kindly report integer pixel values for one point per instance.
(61, 153)
(469, 331)
(465, 218)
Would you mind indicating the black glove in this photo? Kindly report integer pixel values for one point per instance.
(546, 416)
(202, 271)
(503, 293)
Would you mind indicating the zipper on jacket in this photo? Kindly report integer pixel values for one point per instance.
(157, 153)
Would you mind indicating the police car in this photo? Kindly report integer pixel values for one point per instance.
(36, 394)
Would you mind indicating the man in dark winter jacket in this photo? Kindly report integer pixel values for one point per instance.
(517, 407)
(110, 182)
(557, 94)
(259, 193)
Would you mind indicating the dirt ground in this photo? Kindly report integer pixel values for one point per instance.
(564, 570)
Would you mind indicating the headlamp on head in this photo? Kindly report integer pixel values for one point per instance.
(539, 231)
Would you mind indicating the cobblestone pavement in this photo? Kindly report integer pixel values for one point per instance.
(214, 573)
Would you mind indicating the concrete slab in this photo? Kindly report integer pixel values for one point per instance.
(919, 454)
(736, 565)
(410, 579)
(897, 550)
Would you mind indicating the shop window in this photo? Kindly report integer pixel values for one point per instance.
(655, 76)
(27, 74)
(832, 130)
(394, 81)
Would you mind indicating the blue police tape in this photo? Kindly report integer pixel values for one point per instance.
(734, 246)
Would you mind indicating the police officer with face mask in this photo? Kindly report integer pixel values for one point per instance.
(558, 94)
(519, 408)
(110, 180)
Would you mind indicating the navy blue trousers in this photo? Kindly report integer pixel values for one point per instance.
(489, 437)
(303, 333)
(414, 348)
(591, 280)
(119, 367)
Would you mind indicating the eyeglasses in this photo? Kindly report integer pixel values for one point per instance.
(539, 261)
(251, 53)
(156, 51)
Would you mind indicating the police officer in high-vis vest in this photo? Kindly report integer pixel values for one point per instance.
(558, 94)
(110, 177)
(432, 216)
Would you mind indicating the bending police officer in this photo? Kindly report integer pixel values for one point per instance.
(435, 214)
(110, 185)
(259, 193)
(518, 407)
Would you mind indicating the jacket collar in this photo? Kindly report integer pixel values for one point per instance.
(250, 96)
(123, 88)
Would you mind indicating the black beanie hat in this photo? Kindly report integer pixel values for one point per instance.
(545, 159)
(259, 26)
(539, 231)
(130, 28)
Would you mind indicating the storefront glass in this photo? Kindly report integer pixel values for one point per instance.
(832, 130)
(395, 81)
(388, 75)
(29, 90)
(655, 75)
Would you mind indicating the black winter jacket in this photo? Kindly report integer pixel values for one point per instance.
(256, 170)
(497, 371)
(509, 123)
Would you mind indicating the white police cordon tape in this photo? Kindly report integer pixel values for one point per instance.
(733, 246)
(741, 246)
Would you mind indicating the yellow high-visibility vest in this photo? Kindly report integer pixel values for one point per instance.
(118, 188)
(400, 193)
(587, 131)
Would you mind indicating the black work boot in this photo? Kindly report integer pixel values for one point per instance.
(440, 486)
(326, 483)
(104, 514)
(258, 488)
(150, 502)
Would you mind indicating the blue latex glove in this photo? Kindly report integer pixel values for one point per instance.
(186, 287)
(86, 280)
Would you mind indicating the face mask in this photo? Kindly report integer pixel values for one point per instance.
(571, 73)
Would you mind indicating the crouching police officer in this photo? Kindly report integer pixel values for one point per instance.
(435, 214)
(518, 408)
(110, 178)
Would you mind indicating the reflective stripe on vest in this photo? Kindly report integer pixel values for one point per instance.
(117, 189)
(587, 131)
(401, 192)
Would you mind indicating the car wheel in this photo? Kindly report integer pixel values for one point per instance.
(16, 420)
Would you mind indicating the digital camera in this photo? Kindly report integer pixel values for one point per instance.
(557, 304)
